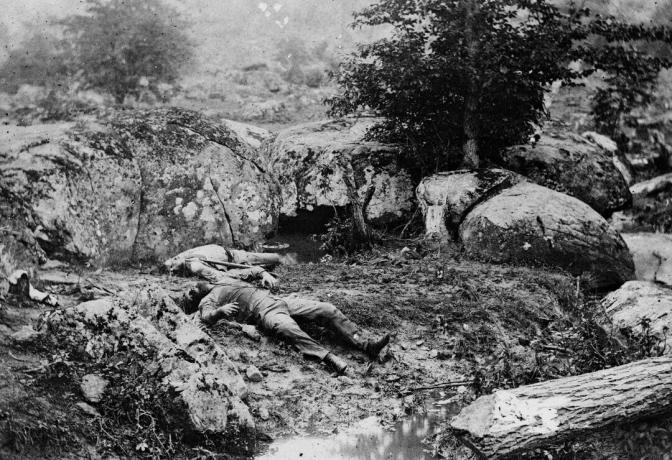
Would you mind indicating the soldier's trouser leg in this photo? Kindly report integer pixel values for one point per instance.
(255, 258)
(328, 316)
(276, 320)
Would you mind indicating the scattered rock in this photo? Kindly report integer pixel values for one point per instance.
(313, 161)
(195, 367)
(251, 332)
(568, 163)
(393, 378)
(264, 414)
(534, 225)
(651, 187)
(253, 374)
(93, 386)
(345, 380)
(652, 255)
(25, 334)
(88, 409)
(447, 197)
(641, 300)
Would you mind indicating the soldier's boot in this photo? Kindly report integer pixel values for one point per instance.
(372, 347)
(337, 364)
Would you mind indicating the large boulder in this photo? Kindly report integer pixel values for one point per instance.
(139, 186)
(642, 307)
(314, 162)
(533, 225)
(447, 197)
(568, 163)
(652, 254)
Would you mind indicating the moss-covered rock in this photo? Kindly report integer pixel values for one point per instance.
(138, 185)
(315, 162)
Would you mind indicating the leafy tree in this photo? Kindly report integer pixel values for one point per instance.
(458, 80)
(118, 42)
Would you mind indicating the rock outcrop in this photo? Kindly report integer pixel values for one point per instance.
(316, 163)
(500, 217)
(141, 186)
(571, 164)
(652, 254)
(534, 225)
(641, 307)
(187, 360)
(447, 197)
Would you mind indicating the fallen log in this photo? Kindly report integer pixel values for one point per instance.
(510, 422)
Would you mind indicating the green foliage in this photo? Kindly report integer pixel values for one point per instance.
(122, 45)
(459, 80)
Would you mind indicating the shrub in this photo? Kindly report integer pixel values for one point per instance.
(458, 80)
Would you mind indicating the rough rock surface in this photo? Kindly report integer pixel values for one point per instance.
(533, 225)
(192, 364)
(637, 300)
(447, 197)
(570, 164)
(251, 134)
(652, 254)
(141, 186)
(315, 161)
(93, 386)
(651, 187)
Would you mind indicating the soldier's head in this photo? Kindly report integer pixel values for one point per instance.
(193, 296)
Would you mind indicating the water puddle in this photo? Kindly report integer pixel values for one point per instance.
(367, 440)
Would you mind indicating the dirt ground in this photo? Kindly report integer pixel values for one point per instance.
(459, 325)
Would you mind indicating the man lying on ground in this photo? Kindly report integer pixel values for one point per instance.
(220, 254)
(227, 295)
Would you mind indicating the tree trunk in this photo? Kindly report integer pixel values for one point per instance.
(470, 121)
(361, 230)
(513, 421)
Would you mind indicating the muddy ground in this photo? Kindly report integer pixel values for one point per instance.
(471, 325)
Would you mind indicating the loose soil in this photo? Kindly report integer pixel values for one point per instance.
(452, 320)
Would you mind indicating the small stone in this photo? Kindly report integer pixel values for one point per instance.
(419, 342)
(25, 334)
(392, 378)
(93, 386)
(461, 389)
(433, 353)
(88, 409)
(253, 374)
(251, 332)
(345, 380)
(264, 414)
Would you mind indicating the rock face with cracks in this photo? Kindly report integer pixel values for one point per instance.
(652, 254)
(638, 301)
(568, 163)
(316, 163)
(534, 225)
(191, 363)
(140, 185)
(447, 197)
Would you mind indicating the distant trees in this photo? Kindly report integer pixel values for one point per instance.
(117, 46)
(38, 60)
(118, 42)
(458, 80)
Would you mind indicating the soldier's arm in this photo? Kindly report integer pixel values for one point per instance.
(253, 273)
(211, 311)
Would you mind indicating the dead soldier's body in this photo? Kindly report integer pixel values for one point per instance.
(230, 295)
